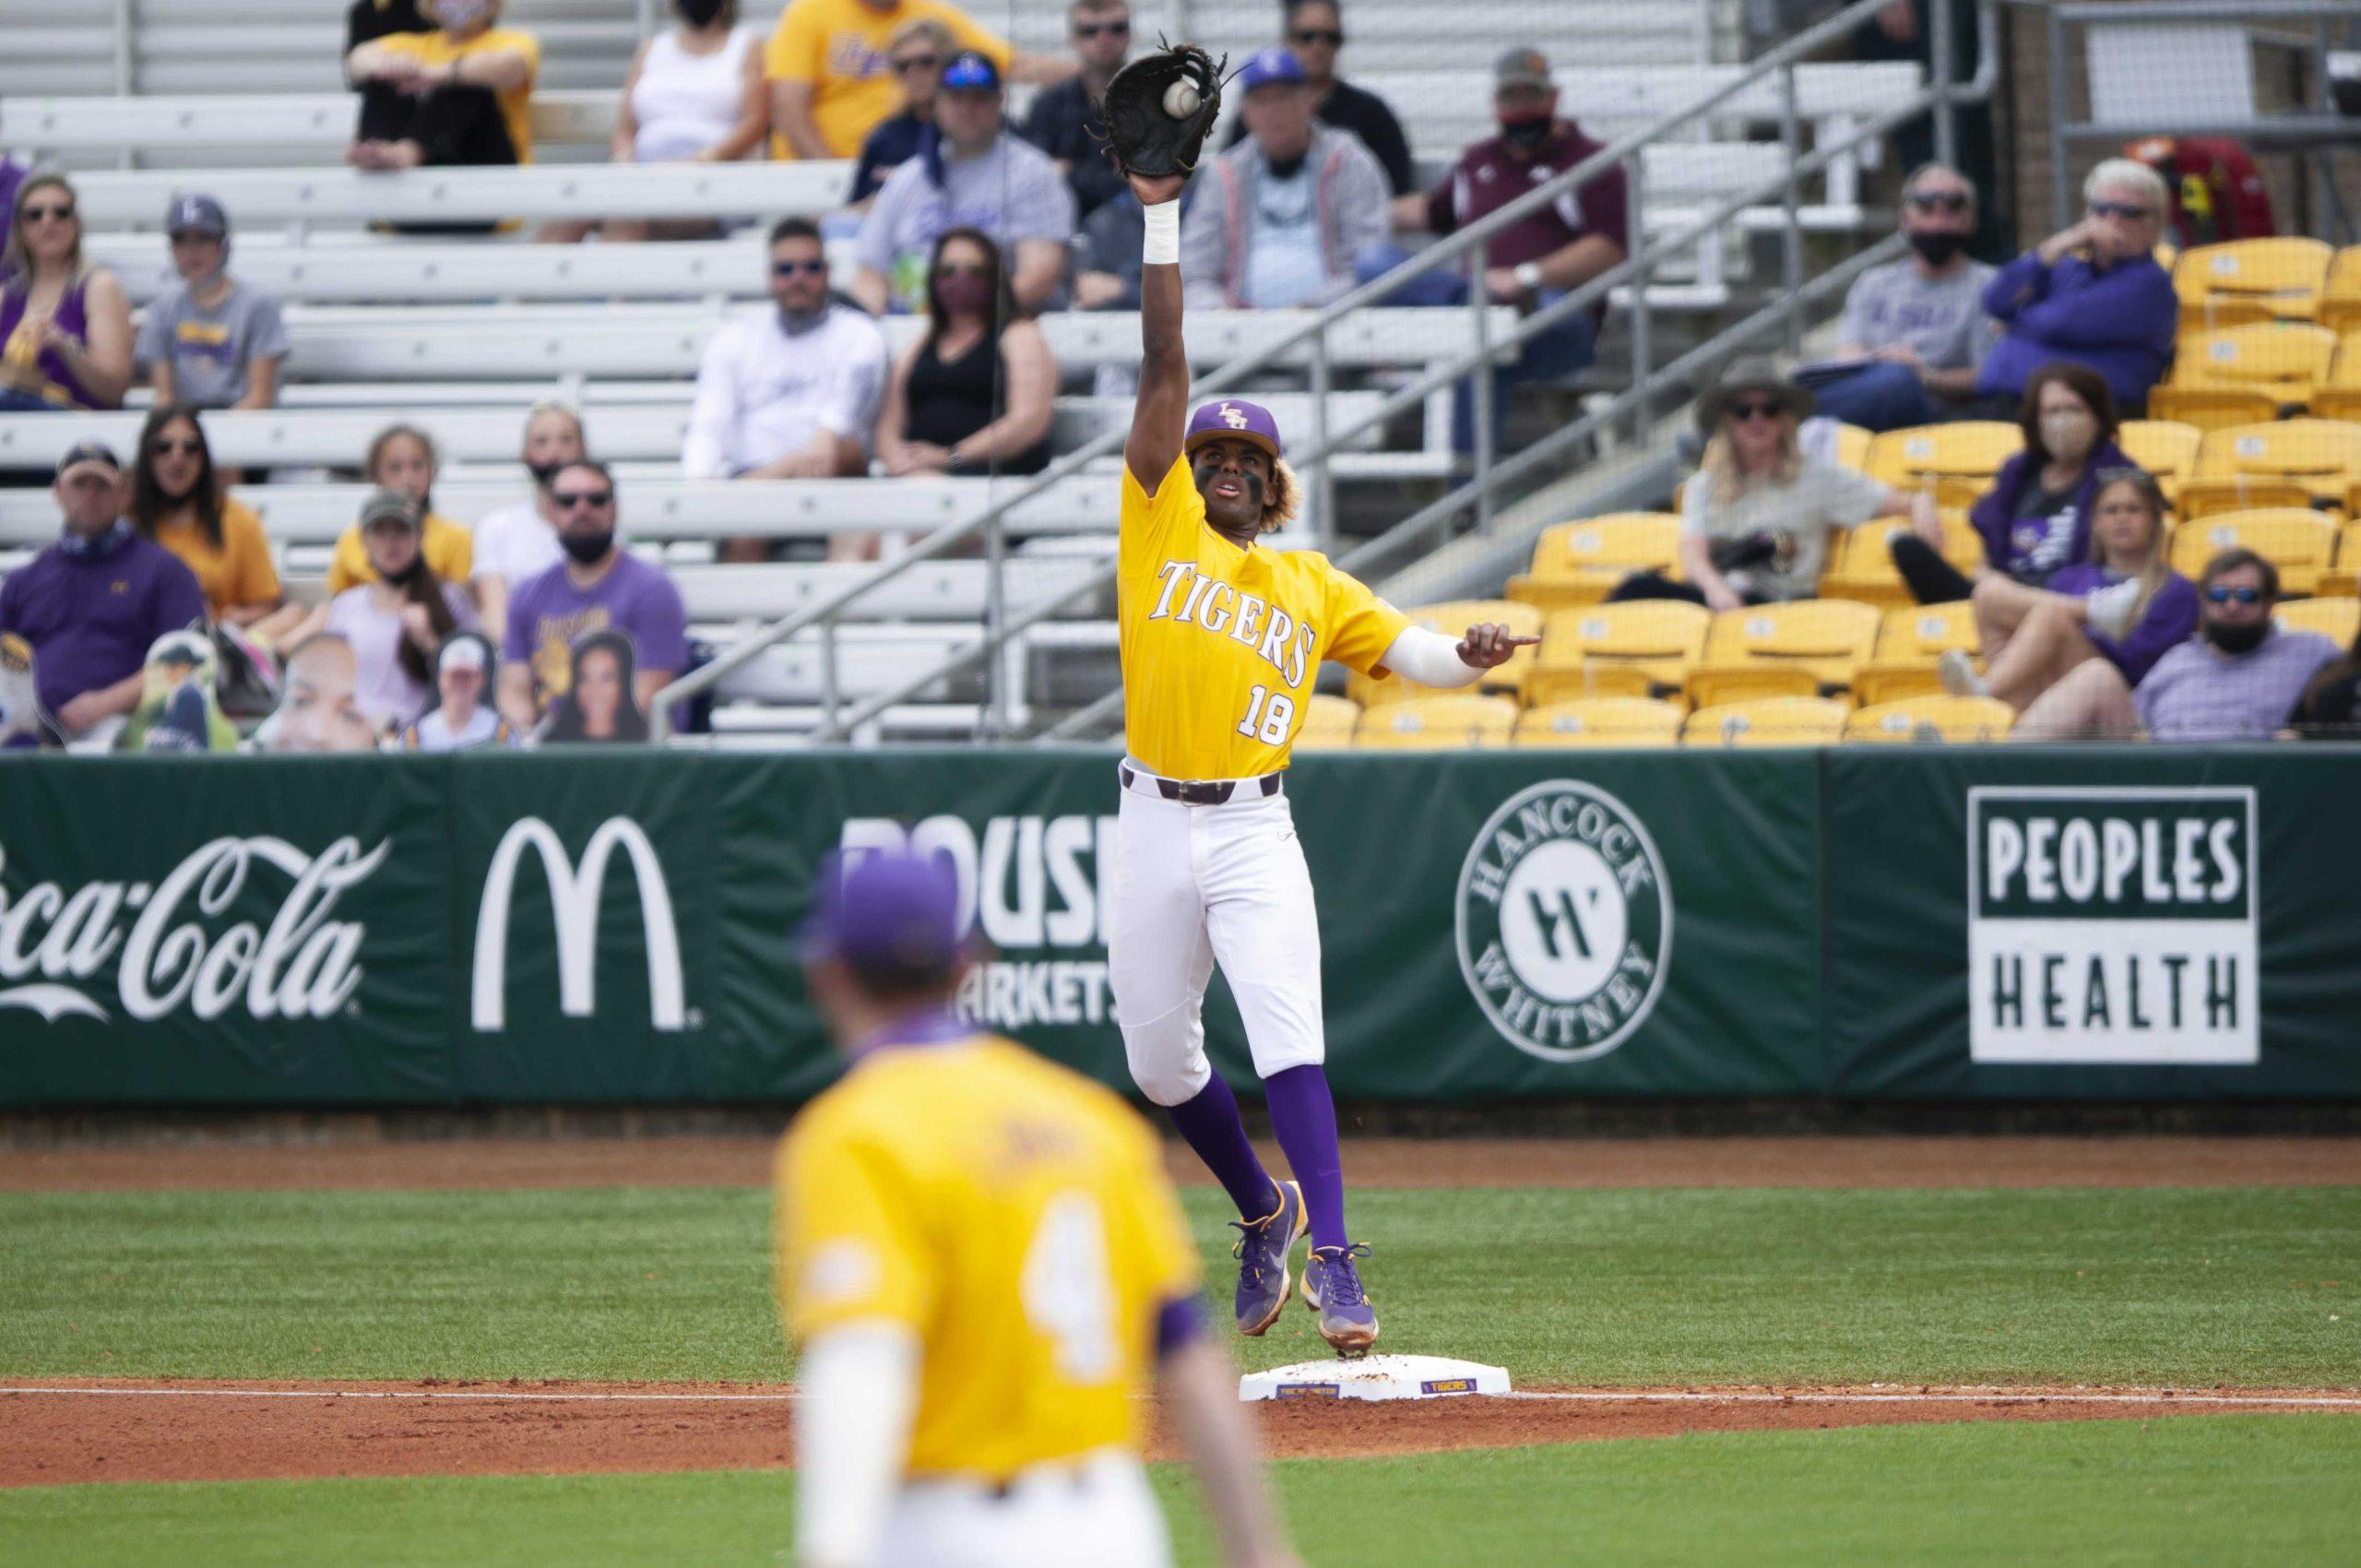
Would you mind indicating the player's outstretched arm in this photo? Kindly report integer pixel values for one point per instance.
(1200, 1389)
(1161, 414)
(1431, 658)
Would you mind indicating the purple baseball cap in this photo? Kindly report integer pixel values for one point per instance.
(1235, 418)
(885, 909)
(1272, 65)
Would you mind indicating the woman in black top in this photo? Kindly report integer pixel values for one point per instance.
(976, 394)
(1315, 32)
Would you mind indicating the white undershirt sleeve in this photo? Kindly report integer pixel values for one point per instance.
(858, 1388)
(1430, 659)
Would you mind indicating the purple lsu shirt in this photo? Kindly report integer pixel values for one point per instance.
(90, 618)
(548, 613)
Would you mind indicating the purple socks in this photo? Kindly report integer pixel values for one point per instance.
(1304, 1114)
(1211, 1123)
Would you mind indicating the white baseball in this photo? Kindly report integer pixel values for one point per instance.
(1181, 100)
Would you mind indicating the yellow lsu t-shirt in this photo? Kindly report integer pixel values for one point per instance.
(515, 112)
(839, 47)
(449, 547)
(1220, 643)
(1016, 1216)
(236, 571)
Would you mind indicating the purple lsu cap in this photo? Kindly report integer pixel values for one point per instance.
(1272, 65)
(1232, 418)
(885, 909)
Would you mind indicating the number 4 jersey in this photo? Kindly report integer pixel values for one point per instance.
(1016, 1216)
(1221, 644)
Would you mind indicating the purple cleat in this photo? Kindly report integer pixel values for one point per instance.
(1261, 1252)
(1332, 1286)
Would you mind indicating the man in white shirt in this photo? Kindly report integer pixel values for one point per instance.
(792, 394)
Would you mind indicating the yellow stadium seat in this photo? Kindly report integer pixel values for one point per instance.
(2299, 542)
(1601, 721)
(1853, 447)
(2244, 374)
(2166, 449)
(1575, 563)
(1794, 650)
(1437, 723)
(1861, 567)
(1452, 620)
(2339, 620)
(2343, 579)
(2247, 280)
(1768, 721)
(1971, 451)
(2281, 463)
(2341, 301)
(1909, 641)
(1941, 718)
(1635, 648)
(1328, 723)
(2339, 397)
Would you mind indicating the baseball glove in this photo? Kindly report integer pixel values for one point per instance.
(1144, 133)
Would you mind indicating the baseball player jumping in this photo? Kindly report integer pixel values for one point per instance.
(1221, 640)
(983, 1260)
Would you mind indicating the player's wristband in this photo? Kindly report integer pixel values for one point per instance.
(1160, 244)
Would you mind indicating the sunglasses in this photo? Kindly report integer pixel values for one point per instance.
(2233, 596)
(909, 63)
(1938, 201)
(2118, 209)
(41, 214)
(1332, 37)
(184, 448)
(567, 500)
(962, 269)
(790, 269)
(1746, 409)
(1102, 30)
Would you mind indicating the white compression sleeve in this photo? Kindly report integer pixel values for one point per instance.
(1430, 659)
(858, 1388)
(1161, 241)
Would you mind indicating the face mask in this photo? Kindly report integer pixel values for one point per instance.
(700, 13)
(1528, 132)
(544, 474)
(1938, 248)
(2236, 639)
(457, 15)
(2067, 435)
(587, 549)
(964, 292)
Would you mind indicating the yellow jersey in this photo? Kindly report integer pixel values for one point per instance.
(236, 571)
(1221, 642)
(839, 47)
(515, 110)
(449, 548)
(1016, 1216)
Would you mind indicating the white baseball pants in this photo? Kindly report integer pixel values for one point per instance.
(1094, 1513)
(1196, 886)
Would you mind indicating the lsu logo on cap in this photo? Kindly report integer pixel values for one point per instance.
(1233, 417)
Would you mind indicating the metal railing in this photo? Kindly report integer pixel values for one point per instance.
(1466, 249)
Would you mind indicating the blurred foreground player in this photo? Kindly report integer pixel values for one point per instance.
(985, 1265)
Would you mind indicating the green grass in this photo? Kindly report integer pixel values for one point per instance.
(2274, 1490)
(2247, 1286)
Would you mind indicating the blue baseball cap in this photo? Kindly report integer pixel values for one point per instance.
(1272, 65)
(885, 909)
(971, 70)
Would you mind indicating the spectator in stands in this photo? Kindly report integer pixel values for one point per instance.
(91, 604)
(2331, 709)
(386, 107)
(830, 81)
(469, 85)
(177, 500)
(402, 459)
(463, 718)
(694, 94)
(65, 325)
(2036, 517)
(916, 53)
(599, 705)
(1315, 34)
(1916, 326)
(397, 620)
(213, 343)
(973, 174)
(976, 394)
(1535, 261)
(1756, 517)
(320, 710)
(598, 586)
(519, 541)
(1065, 122)
(2091, 294)
(1108, 265)
(791, 394)
(1285, 212)
(2124, 604)
(2238, 680)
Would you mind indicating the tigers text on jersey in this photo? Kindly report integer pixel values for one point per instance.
(1013, 1214)
(1221, 643)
